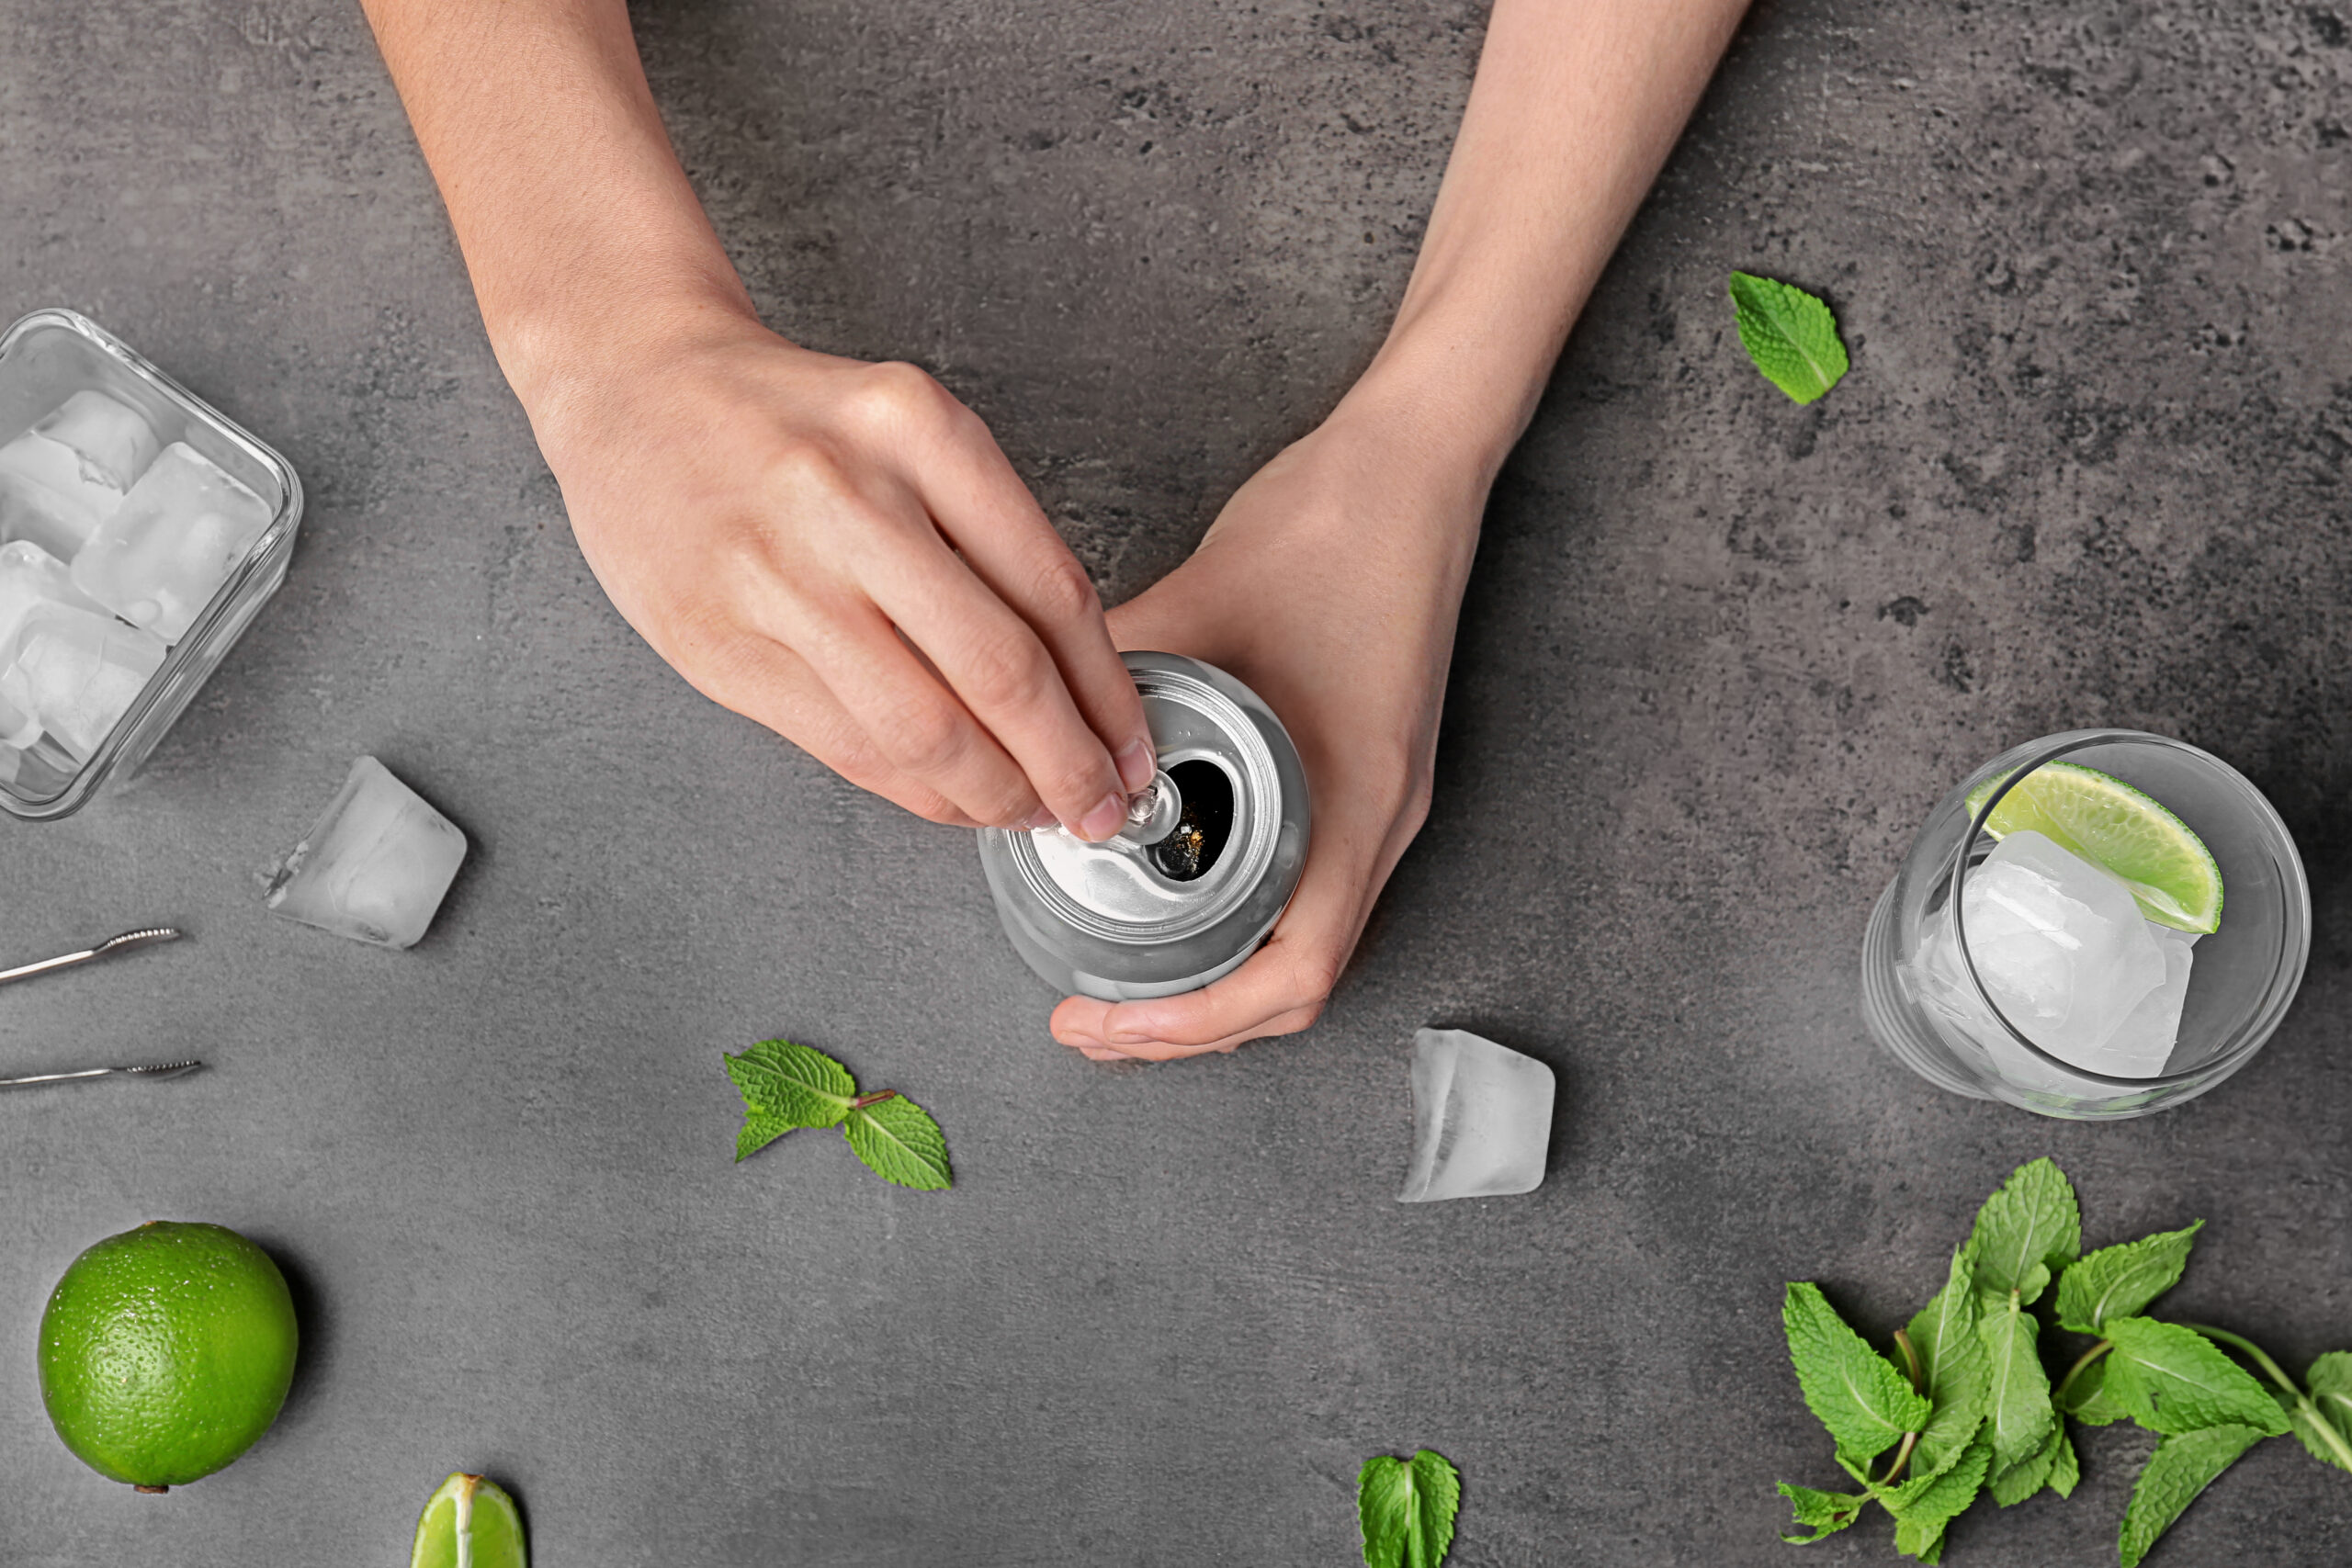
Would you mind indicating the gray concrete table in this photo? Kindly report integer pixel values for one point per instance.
(1720, 655)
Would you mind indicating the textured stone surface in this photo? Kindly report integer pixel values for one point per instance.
(1719, 656)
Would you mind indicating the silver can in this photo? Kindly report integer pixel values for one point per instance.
(1207, 863)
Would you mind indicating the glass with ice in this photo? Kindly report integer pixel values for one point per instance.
(140, 530)
(2096, 925)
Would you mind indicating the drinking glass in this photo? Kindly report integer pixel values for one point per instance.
(2243, 976)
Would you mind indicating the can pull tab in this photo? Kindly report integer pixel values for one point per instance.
(1153, 812)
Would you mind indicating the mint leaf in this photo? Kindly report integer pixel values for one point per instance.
(1823, 1513)
(2066, 1470)
(2173, 1380)
(2120, 1282)
(795, 1084)
(1855, 1391)
(1406, 1509)
(2018, 1411)
(2085, 1396)
(759, 1129)
(900, 1143)
(1954, 1368)
(2031, 1473)
(2323, 1421)
(1920, 1517)
(2183, 1465)
(2026, 1232)
(1788, 333)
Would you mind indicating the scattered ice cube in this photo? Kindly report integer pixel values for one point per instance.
(74, 672)
(376, 865)
(1482, 1119)
(112, 440)
(166, 550)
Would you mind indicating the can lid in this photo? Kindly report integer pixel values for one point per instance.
(1206, 837)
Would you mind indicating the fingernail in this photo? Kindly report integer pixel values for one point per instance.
(1137, 762)
(1105, 819)
(1041, 817)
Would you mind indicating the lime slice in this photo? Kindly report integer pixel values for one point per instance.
(470, 1523)
(2108, 823)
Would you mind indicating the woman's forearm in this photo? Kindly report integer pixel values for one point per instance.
(1575, 106)
(577, 223)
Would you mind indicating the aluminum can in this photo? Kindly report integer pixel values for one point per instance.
(1209, 858)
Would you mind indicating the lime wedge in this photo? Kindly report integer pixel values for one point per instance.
(470, 1523)
(2108, 823)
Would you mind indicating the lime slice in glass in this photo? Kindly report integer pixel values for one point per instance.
(470, 1523)
(2108, 823)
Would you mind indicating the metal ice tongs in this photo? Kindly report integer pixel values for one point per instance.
(106, 949)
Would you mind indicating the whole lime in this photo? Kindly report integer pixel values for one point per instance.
(166, 1352)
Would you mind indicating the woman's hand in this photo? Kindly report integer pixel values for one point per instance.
(1330, 585)
(1331, 580)
(836, 549)
(840, 551)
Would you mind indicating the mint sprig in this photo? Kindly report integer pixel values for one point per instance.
(1985, 1416)
(786, 1086)
(1788, 333)
(1406, 1508)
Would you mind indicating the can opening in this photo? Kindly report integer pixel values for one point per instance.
(1201, 832)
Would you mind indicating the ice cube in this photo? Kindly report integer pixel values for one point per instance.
(166, 550)
(376, 865)
(2143, 1042)
(2064, 952)
(113, 443)
(29, 576)
(2060, 944)
(1482, 1119)
(73, 673)
(46, 497)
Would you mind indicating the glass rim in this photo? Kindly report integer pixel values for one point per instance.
(2252, 1031)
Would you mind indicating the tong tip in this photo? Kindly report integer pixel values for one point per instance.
(143, 935)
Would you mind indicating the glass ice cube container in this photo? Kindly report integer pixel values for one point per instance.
(47, 358)
(1949, 1027)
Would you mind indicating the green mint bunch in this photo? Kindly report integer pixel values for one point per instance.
(786, 1086)
(1966, 1405)
(1788, 333)
(1406, 1507)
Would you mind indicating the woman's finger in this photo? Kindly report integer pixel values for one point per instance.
(1002, 673)
(770, 684)
(995, 523)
